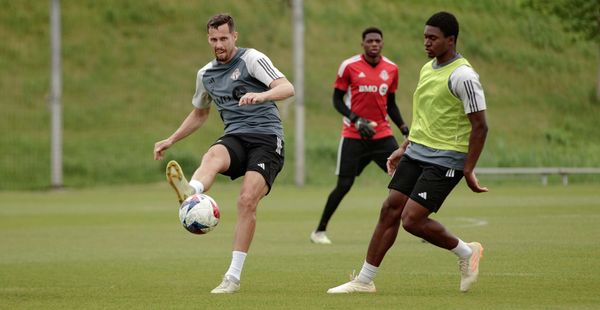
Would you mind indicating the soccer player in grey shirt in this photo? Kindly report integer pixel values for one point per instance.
(243, 84)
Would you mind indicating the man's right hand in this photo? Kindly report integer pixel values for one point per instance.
(365, 127)
(393, 159)
(160, 147)
(473, 183)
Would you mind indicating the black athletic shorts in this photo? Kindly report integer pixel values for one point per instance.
(253, 152)
(425, 183)
(355, 154)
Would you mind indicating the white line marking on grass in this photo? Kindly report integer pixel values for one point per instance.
(471, 222)
(583, 215)
(492, 274)
(514, 274)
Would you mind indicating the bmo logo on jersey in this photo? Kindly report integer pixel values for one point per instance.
(382, 89)
(367, 88)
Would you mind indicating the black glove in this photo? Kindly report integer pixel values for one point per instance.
(404, 130)
(365, 127)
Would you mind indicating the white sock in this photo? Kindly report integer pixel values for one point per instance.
(197, 185)
(367, 273)
(462, 249)
(237, 263)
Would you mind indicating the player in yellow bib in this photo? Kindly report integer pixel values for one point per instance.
(448, 134)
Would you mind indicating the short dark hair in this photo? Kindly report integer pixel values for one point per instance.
(371, 30)
(446, 22)
(221, 19)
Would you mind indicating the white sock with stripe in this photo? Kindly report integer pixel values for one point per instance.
(237, 263)
(367, 273)
(462, 249)
(197, 185)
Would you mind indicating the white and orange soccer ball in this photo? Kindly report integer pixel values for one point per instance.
(199, 214)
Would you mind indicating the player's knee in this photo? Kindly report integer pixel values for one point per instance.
(247, 204)
(209, 157)
(411, 224)
(391, 211)
(215, 157)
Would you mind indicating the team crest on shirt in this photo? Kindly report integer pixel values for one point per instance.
(383, 88)
(236, 74)
(384, 75)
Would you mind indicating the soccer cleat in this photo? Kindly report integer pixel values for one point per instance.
(469, 266)
(354, 286)
(229, 285)
(319, 237)
(178, 181)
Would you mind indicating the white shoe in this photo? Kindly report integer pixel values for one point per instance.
(319, 237)
(469, 266)
(354, 286)
(229, 285)
(178, 181)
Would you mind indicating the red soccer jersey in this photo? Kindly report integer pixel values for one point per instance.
(366, 92)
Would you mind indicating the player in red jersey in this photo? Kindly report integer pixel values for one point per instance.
(365, 95)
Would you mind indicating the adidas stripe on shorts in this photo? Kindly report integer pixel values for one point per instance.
(254, 152)
(427, 184)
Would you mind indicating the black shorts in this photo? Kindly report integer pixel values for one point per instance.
(355, 154)
(253, 152)
(425, 183)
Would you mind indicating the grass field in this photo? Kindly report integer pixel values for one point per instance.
(123, 248)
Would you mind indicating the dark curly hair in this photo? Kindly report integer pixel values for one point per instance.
(371, 30)
(446, 22)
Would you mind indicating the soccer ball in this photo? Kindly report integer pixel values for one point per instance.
(199, 214)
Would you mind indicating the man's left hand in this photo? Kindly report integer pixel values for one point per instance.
(251, 98)
(473, 183)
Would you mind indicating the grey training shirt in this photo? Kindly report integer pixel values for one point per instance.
(224, 84)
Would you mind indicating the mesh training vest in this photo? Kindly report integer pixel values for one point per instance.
(439, 119)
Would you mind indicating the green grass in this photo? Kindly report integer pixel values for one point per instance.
(129, 69)
(123, 248)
